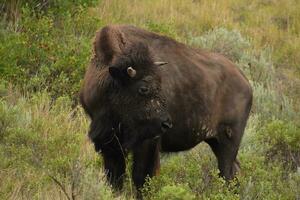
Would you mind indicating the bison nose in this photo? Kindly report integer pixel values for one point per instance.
(166, 124)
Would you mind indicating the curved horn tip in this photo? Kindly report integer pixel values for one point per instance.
(160, 63)
(131, 72)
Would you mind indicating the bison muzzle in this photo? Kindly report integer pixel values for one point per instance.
(146, 93)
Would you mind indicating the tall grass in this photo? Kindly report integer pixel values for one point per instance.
(270, 23)
(45, 153)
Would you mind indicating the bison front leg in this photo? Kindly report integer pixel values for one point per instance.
(114, 164)
(145, 162)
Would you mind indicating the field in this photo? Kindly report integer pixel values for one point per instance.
(45, 47)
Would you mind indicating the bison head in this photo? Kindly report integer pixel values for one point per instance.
(137, 96)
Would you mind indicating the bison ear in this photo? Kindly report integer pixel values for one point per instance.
(159, 63)
(108, 43)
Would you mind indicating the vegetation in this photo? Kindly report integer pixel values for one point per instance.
(45, 47)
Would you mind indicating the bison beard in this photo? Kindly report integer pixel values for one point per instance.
(146, 93)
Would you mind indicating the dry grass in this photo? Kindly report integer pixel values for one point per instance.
(274, 23)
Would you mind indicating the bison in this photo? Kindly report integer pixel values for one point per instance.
(146, 93)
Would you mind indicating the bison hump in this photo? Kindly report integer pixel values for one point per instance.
(108, 43)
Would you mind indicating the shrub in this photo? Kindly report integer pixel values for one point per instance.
(12, 10)
(174, 192)
(281, 139)
(221, 40)
(269, 104)
(39, 58)
(260, 179)
(256, 65)
(42, 141)
(93, 185)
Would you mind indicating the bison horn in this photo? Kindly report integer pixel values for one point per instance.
(131, 72)
(159, 63)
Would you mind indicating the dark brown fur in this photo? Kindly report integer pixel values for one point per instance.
(206, 96)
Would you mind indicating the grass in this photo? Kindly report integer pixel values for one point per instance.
(45, 153)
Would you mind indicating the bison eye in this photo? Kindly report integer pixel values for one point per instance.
(144, 90)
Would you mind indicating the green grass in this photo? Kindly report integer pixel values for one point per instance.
(44, 149)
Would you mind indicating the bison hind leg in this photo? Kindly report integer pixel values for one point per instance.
(225, 147)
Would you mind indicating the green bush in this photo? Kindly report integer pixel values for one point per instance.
(281, 139)
(174, 192)
(269, 104)
(221, 40)
(262, 179)
(256, 65)
(39, 58)
(39, 140)
(12, 10)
